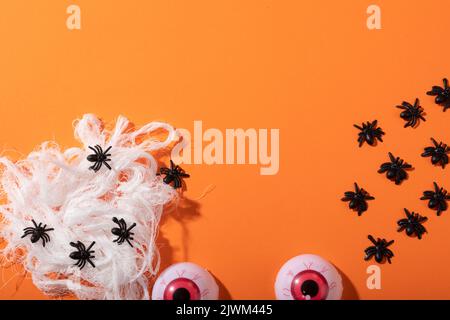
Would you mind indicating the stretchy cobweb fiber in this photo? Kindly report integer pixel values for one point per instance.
(56, 188)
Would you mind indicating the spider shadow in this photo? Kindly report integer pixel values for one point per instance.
(186, 211)
(349, 292)
(373, 145)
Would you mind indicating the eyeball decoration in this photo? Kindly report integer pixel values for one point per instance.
(308, 277)
(185, 281)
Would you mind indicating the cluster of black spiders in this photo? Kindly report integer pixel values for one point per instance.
(83, 255)
(396, 170)
(173, 176)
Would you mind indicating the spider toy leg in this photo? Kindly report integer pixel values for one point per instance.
(400, 176)
(372, 239)
(362, 207)
(444, 161)
(29, 229)
(389, 243)
(163, 171)
(80, 246)
(370, 252)
(90, 262)
(122, 224)
(34, 223)
(388, 254)
(44, 240)
(27, 233)
(402, 225)
(89, 248)
(115, 220)
(360, 140)
(131, 227)
(95, 151)
(441, 207)
(106, 164)
(99, 166)
(95, 167)
(168, 179)
(184, 175)
(46, 237)
(176, 182)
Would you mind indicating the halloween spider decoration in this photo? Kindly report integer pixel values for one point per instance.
(38, 232)
(412, 224)
(99, 158)
(357, 199)
(395, 169)
(412, 114)
(175, 174)
(438, 153)
(370, 133)
(82, 254)
(122, 232)
(442, 94)
(379, 250)
(437, 199)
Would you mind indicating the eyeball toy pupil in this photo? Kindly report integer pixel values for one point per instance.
(182, 289)
(181, 294)
(309, 285)
(310, 288)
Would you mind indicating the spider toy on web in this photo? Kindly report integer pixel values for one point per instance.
(38, 232)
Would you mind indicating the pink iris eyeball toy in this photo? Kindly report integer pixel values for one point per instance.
(308, 277)
(185, 281)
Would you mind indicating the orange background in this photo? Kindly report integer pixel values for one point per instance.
(310, 68)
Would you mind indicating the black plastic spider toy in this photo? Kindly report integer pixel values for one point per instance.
(369, 133)
(438, 153)
(175, 174)
(38, 232)
(412, 114)
(358, 199)
(396, 169)
(99, 158)
(379, 250)
(123, 233)
(82, 254)
(442, 94)
(412, 224)
(437, 199)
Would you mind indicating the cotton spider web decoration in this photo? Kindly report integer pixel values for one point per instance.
(57, 188)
